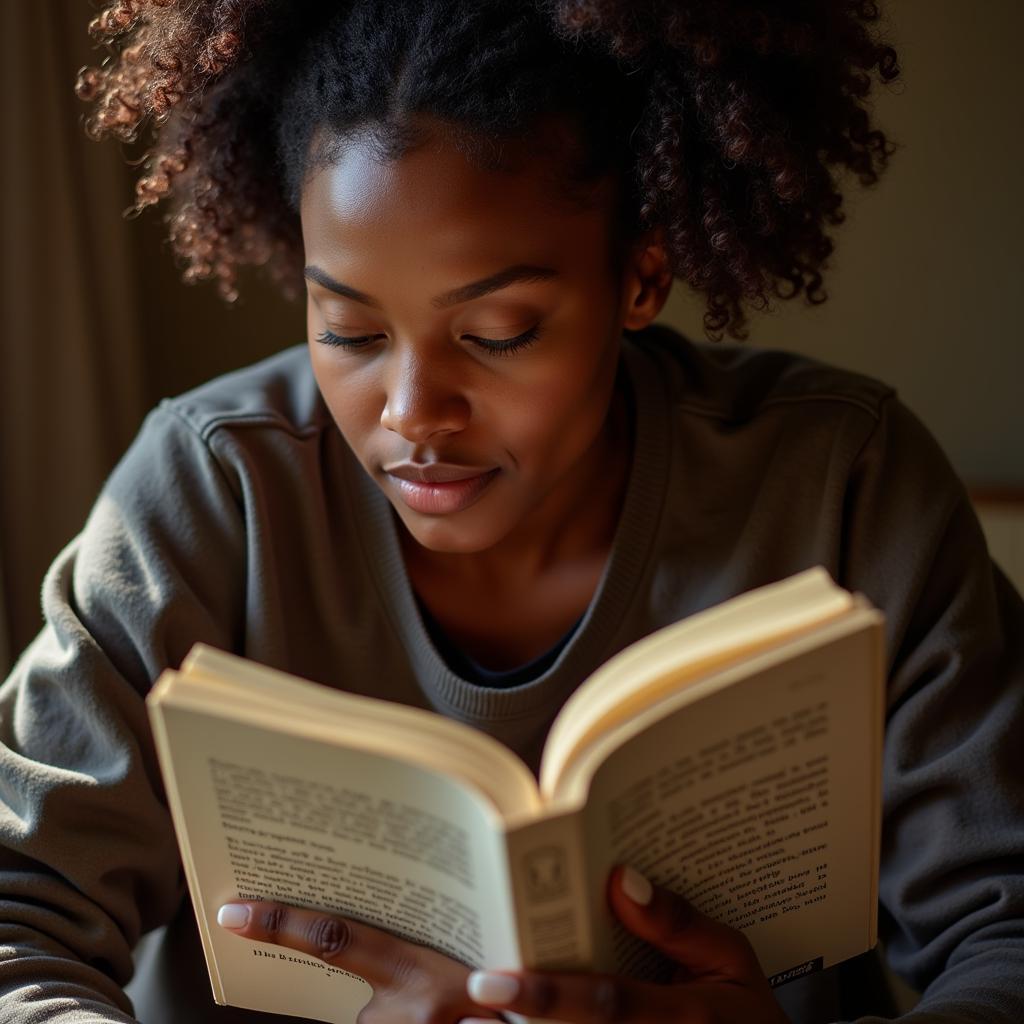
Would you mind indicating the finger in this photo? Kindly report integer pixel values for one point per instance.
(579, 998)
(359, 948)
(704, 947)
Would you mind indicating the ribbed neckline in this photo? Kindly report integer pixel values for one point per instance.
(634, 536)
(460, 662)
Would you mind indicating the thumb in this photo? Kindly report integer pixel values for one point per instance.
(705, 948)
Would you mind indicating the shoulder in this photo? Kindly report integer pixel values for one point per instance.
(216, 441)
(279, 393)
(797, 462)
(740, 401)
(202, 466)
(738, 383)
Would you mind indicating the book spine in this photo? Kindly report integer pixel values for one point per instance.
(548, 870)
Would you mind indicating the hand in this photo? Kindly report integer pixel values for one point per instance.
(719, 980)
(410, 982)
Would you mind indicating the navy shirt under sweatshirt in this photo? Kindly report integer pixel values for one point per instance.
(240, 518)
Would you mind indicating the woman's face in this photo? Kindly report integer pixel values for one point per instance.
(487, 323)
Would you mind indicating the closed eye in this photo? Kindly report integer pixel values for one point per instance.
(495, 346)
(337, 341)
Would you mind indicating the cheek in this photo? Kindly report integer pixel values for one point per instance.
(351, 394)
(557, 416)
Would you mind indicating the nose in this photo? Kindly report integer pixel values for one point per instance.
(422, 397)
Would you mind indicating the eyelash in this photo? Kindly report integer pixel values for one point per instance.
(502, 347)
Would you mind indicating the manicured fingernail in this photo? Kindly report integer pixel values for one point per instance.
(233, 915)
(635, 886)
(492, 989)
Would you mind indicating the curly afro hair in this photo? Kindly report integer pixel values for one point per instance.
(728, 122)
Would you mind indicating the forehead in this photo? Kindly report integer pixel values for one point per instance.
(438, 200)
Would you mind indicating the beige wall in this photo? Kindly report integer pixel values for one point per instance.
(925, 288)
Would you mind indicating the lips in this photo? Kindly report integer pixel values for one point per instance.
(438, 488)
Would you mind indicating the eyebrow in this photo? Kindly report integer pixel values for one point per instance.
(464, 293)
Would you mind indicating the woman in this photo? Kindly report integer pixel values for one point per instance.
(490, 470)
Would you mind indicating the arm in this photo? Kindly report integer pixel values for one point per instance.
(88, 860)
(952, 881)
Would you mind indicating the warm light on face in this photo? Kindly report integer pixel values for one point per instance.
(461, 317)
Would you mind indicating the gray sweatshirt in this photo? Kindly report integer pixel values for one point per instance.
(240, 518)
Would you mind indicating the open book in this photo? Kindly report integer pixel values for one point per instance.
(734, 756)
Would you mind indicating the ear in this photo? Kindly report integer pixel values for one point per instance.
(647, 280)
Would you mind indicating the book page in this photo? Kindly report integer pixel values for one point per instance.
(683, 654)
(272, 814)
(266, 696)
(760, 803)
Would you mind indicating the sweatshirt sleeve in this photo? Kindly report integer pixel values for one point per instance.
(952, 874)
(88, 858)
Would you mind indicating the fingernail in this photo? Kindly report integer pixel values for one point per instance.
(636, 886)
(492, 989)
(233, 915)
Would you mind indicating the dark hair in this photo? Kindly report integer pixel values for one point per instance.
(725, 121)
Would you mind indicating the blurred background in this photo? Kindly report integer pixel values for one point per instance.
(96, 326)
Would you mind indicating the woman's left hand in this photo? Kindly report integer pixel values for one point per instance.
(719, 980)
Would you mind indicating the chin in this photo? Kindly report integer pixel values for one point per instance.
(445, 535)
